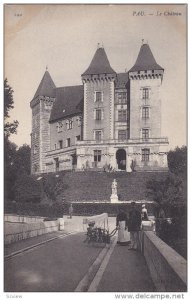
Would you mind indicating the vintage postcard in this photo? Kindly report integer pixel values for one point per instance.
(95, 150)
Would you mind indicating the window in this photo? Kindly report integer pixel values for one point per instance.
(60, 144)
(55, 146)
(145, 154)
(145, 133)
(98, 96)
(35, 149)
(121, 98)
(145, 112)
(59, 126)
(79, 120)
(122, 115)
(122, 135)
(78, 138)
(36, 168)
(97, 155)
(145, 93)
(98, 114)
(68, 142)
(98, 135)
(69, 124)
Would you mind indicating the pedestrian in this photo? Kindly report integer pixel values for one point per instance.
(121, 225)
(134, 226)
(71, 210)
(144, 213)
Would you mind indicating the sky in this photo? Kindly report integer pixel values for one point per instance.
(64, 38)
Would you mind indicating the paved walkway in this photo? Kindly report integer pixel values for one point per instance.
(57, 262)
(126, 271)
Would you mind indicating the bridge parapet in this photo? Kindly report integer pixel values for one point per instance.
(168, 269)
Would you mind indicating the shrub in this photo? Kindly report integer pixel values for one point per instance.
(27, 189)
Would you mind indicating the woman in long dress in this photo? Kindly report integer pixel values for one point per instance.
(121, 224)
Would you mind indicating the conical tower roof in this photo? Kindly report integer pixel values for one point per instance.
(99, 64)
(46, 86)
(145, 60)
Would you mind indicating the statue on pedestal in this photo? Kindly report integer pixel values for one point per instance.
(114, 187)
(114, 197)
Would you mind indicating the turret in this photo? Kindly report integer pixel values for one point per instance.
(145, 104)
(98, 82)
(41, 105)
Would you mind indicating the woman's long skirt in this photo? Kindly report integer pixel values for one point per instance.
(123, 235)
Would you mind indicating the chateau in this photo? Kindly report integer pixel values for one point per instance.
(112, 121)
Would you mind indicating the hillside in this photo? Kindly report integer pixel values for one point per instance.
(89, 186)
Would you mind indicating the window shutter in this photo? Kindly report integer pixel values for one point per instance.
(94, 114)
(141, 93)
(102, 114)
(149, 93)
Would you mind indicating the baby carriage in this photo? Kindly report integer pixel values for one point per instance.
(97, 229)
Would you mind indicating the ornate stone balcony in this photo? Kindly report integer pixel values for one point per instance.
(162, 140)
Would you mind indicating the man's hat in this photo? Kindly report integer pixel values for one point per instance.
(143, 205)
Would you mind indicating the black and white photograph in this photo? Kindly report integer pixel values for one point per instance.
(95, 150)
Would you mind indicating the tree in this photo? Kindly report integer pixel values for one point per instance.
(26, 188)
(10, 168)
(9, 128)
(177, 161)
(22, 161)
(17, 164)
(171, 192)
(167, 192)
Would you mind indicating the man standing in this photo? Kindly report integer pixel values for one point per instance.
(134, 226)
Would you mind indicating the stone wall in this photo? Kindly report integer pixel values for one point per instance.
(35, 138)
(167, 268)
(40, 135)
(136, 104)
(20, 231)
(65, 133)
(107, 105)
(22, 219)
(45, 110)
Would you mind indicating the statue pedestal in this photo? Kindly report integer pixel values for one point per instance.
(114, 198)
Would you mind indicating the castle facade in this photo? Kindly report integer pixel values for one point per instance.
(110, 122)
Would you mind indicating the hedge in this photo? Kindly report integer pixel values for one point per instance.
(59, 209)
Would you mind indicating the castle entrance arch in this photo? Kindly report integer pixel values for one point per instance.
(121, 159)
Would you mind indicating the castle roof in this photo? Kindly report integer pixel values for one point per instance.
(46, 86)
(99, 64)
(145, 60)
(69, 101)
